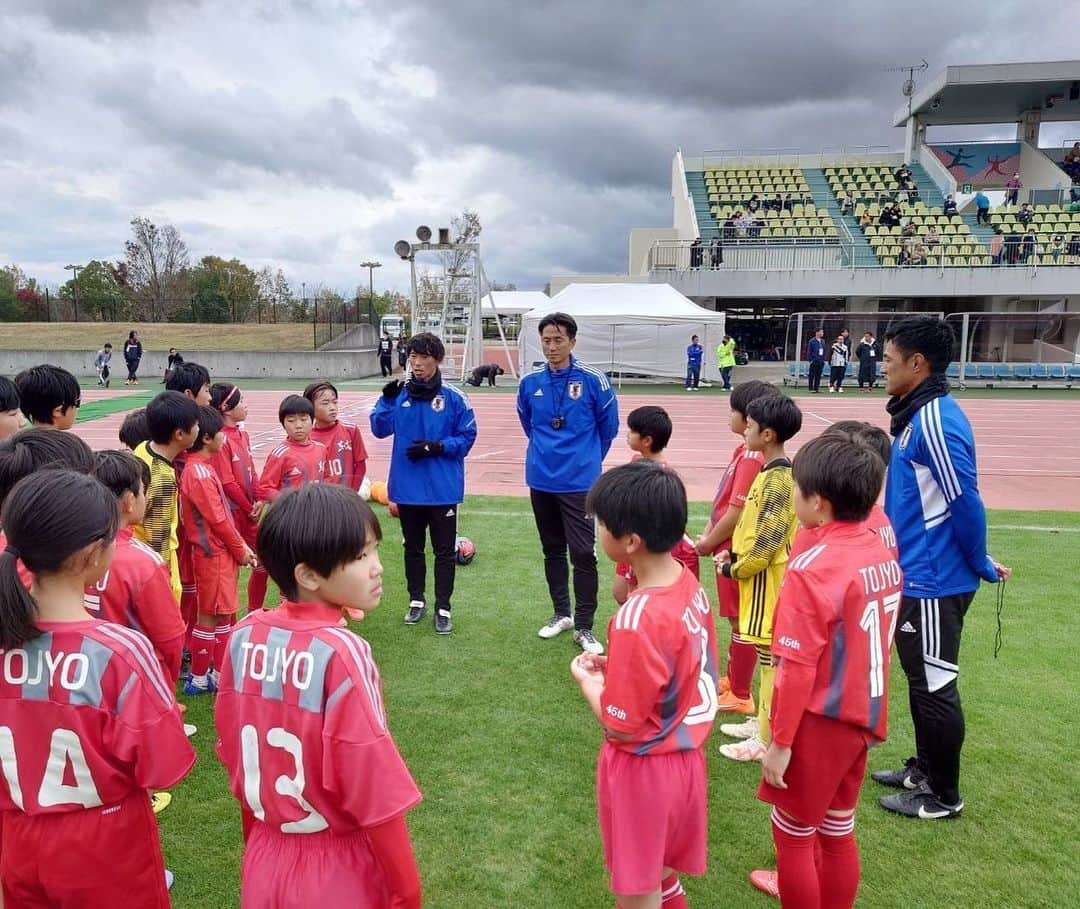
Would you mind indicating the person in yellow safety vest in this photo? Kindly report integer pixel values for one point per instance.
(725, 359)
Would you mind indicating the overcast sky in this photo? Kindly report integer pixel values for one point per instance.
(312, 135)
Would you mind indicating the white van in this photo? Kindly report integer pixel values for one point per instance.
(392, 325)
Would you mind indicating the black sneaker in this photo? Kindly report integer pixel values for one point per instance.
(907, 777)
(417, 610)
(443, 625)
(185, 664)
(921, 803)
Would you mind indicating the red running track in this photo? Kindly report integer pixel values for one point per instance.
(1028, 450)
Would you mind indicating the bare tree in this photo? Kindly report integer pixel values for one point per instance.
(156, 260)
(464, 228)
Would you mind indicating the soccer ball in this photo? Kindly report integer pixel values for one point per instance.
(379, 493)
(466, 550)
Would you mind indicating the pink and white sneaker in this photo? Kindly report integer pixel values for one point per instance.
(751, 749)
(766, 882)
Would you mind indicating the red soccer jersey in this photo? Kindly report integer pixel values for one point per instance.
(302, 728)
(879, 522)
(735, 483)
(837, 612)
(290, 465)
(86, 718)
(137, 592)
(207, 524)
(346, 456)
(660, 682)
(236, 470)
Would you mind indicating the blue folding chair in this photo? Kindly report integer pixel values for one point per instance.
(953, 371)
(986, 371)
(1003, 371)
(1022, 371)
(1057, 371)
(1039, 371)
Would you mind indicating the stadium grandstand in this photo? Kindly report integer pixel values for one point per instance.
(782, 239)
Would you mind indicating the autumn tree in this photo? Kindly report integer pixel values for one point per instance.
(223, 290)
(157, 260)
(100, 294)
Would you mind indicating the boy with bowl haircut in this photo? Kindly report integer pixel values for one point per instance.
(298, 460)
(49, 396)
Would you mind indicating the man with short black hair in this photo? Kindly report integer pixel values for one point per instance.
(816, 354)
(570, 415)
(932, 499)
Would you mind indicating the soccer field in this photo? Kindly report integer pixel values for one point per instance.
(503, 747)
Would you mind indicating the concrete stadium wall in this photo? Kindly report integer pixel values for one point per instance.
(357, 338)
(246, 364)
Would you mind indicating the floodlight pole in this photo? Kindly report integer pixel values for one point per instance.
(370, 266)
(74, 269)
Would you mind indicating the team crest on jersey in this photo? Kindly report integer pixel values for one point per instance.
(905, 436)
(438, 403)
(344, 445)
(573, 389)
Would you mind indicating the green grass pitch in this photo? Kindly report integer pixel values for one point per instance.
(503, 748)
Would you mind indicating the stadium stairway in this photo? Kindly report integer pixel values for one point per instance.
(707, 226)
(932, 196)
(819, 186)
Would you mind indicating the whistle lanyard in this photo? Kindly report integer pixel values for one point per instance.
(560, 405)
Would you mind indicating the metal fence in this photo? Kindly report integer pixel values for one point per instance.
(802, 325)
(752, 254)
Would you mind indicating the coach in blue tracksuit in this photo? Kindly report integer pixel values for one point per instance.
(932, 499)
(570, 414)
(816, 354)
(433, 428)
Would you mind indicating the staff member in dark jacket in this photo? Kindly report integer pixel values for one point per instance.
(386, 355)
(570, 414)
(486, 371)
(867, 355)
(433, 428)
(132, 356)
(816, 352)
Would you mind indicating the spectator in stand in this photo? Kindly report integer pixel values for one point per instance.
(997, 244)
(789, 203)
(754, 204)
(847, 203)
(1073, 248)
(716, 252)
(908, 229)
(1057, 247)
(816, 354)
(777, 203)
(1012, 247)
(902, 174)
(885, 219)
(905, 252)
(743, 222)
(1029, 247)
(950, 206)
(1025, 214)
(918, 253)
(1072, 161)
(865, 219)
(867, 355)
(932, 238)
(1012, 189)
(756, 227)
(695, 253)
(982, 208)
(838, 360)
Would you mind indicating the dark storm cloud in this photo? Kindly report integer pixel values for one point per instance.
(18, 68)
(325, 144)
(121, 16)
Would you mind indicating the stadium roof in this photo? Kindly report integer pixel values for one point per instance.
(997, 93)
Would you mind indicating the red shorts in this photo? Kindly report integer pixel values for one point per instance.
(98, 858)
(215, 583)
(727, 595)
(828, 760)
(298, 871)
(653, 813)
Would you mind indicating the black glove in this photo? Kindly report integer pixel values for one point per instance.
(392, 389)
(423, 448)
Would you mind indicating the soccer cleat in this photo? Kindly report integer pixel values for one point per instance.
(215, 678)
(556, 625)
(751, 749)
(747, 730)
(193, 687)
(159, 801)
(921, 803)
(724, 685)
(729, 702)
(586, 640)
(907, 777)
(443, 625)
(766, 881)
(417, 610)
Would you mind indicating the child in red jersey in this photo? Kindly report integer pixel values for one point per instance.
(731, 492)
(302, 726)
(878, 440)
(11, 416)
(87, 720)
(217, 551)
(346, 456)
(236, 469)
(654, 694)
(833, 632)
(299, 460)
(648, 433)
(136, 591)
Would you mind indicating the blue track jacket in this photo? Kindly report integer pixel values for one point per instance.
(816, 350)
(447, 418)
(932, 499)
(567, 459)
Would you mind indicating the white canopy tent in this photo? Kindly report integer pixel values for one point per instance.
(631, 329)
(513, 302)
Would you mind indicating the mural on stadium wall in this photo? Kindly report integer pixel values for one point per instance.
(984, 165)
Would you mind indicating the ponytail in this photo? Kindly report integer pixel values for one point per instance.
(47, 517)
(37, 448)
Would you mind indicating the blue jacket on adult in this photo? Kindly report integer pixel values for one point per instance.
(932, 499)
(568, 458)
(694, 353)
(446, 417)
(816, 350)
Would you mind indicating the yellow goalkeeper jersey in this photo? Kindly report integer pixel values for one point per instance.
(158, 527)
(760, 546)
